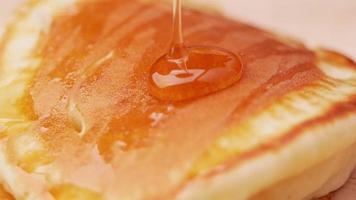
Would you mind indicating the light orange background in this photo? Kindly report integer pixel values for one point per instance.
(326, 23)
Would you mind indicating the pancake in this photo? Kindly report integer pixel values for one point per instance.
(77, 120)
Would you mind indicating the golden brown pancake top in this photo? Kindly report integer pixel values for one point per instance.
(90, 95)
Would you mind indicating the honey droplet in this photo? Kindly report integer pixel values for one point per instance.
(190, 72)
(202, 71)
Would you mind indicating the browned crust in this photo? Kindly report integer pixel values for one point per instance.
(328, 197)
(336, 58)
(4, 195)
(337, 111)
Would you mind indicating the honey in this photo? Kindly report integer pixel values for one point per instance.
(191, 72)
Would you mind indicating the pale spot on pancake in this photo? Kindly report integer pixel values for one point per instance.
(7, 120)
(19, 181)
(51, 172)
(77, 119)
(335, 65)
(43, 129)
(156, 117)
(119, 145)
(337, 72)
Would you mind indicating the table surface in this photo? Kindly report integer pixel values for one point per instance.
(318, 23)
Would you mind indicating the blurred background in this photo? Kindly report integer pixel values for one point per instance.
(325, 23)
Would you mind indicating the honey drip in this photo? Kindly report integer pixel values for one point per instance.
(190, 72)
